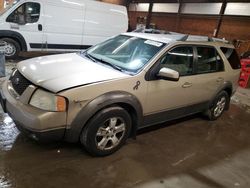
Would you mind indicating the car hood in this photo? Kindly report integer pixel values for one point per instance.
(59, 72)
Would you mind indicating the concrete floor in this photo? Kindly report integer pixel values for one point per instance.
(191, 152)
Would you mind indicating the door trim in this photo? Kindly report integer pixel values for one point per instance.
(169, 115)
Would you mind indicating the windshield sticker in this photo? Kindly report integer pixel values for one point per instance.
(153, 43)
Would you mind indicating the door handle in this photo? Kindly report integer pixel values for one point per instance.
(186, 85)
(220, 79)
(40, 27)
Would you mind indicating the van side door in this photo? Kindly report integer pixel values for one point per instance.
(103, 20)
(63, 25)
(27, 20)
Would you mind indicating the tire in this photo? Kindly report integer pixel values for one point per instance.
(12, 48)
(107, 131)
(219, 104)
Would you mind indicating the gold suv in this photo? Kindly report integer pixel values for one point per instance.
(103, 95)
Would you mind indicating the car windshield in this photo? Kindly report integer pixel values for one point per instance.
(125, 53)
(7, 7)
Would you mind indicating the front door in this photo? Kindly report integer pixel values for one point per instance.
(164, 95)
(26, 20)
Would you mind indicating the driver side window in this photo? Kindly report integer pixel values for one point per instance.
(26, 13)
(179, 59)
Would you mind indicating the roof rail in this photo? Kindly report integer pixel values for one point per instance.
(210, 39)
(183, 37)
(153, 31)
(202, 38)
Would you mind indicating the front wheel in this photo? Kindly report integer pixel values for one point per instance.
(107, 131)
(12, 48)
(218, 106)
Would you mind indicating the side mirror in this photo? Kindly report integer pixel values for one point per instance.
(168, 74)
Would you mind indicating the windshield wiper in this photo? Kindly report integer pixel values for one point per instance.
(111, 65)
(90, 57)
(94, 59)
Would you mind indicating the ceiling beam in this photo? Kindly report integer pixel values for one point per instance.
(188, 1)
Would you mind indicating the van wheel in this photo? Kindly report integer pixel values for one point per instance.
(12, 48)
(107, 131)
(218, 106)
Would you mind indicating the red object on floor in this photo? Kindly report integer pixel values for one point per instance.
(244, 80)
(245, 65)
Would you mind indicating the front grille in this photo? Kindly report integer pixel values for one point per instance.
(19, 82)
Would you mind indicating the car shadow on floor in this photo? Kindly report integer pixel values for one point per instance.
(191, 152)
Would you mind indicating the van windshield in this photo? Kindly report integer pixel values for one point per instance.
(8, 6)
(125, 53)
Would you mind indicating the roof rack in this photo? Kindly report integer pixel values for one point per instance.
(153, 31)
(202, 38)
(183, 37)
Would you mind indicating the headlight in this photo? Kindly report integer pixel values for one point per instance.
(48, 101)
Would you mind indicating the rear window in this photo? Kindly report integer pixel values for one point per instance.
(232, 57)
(208, 60)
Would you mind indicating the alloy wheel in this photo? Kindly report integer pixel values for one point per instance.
(220, 106)
(111, 133)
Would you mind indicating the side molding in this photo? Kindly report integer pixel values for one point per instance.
(14, 35)
(121, 98)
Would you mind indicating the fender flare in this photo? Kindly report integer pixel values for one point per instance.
(119, 98)
(16, 36)
(226, 86)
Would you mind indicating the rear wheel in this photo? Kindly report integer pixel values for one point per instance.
(12, 48)
(218, 106)
(107, 131)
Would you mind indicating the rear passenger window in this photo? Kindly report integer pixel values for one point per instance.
(232, 57)
(179, 59)
(208, 60)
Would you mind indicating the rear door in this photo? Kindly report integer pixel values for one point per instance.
(209, 71)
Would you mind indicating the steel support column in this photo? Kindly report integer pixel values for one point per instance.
(222, 11)
(149, 16)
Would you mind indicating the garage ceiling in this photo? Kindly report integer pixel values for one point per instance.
(184, 1)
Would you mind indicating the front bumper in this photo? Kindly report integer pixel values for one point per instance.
(38, 124)
(45, 136)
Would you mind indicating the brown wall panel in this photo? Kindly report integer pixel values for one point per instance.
(235, 28)
(198, 25)
(165, 22)
(232, 27)
(133, 18)
(1, 4)
(119, 2)
(187, 24)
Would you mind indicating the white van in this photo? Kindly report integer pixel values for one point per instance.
(59, 25)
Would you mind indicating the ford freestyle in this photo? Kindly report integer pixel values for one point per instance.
(103, 95)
